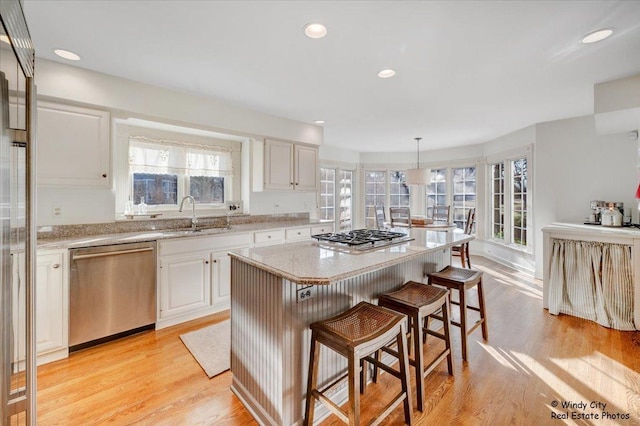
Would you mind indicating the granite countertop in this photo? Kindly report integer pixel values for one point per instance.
(603, 231)
(162, 234)
(308, 262)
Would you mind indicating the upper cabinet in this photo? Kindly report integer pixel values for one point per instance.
(287, 166)
(73, 146)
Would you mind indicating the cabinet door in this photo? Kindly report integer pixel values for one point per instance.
(278, 168)
(72, 135)
(184, 284)
(51, 306)
(221, 279)
(306, 168)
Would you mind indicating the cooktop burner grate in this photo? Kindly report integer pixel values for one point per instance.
(360, 237)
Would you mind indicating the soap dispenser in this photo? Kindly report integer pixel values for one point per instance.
(142, 207)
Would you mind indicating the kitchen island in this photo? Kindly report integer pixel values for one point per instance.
(277, 291)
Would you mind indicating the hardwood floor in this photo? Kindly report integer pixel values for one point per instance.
(530, 361)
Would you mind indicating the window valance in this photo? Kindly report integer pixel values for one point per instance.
(173, 157)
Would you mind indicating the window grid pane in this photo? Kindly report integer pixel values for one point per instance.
(156, 189)
(497, 200)
(374, 181)
(436, 190)
(518, 201)
(464, 194)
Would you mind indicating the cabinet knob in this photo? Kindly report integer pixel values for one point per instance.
(299, 233)
(296, 183)
(56, 265)
(104, 175)
(268, 236)
(215, 260)
(291, 183)
(206, 261)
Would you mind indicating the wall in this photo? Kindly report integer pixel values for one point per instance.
(125, 98)
(575, 165)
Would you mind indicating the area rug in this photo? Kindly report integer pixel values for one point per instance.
(211, 347)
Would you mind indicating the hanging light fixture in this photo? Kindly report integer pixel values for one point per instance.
(417, 176)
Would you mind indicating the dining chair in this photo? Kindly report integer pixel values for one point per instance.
(400, 216)
(463, 249)
(441, 213)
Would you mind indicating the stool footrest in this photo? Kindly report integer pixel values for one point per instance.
(389, 408)
(332, 406)
(382, 365)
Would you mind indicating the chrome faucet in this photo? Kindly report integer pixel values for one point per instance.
(194, 219)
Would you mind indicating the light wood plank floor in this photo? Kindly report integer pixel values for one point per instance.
(531, 360)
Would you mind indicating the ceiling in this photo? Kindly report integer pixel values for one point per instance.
(467, 71)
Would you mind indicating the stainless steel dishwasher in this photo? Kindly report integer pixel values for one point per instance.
(112, 292)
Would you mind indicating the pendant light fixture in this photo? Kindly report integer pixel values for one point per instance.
(417, 176)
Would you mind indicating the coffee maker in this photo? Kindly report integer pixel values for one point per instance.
(596, 211)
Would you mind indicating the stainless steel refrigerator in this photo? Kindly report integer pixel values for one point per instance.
(17, 212)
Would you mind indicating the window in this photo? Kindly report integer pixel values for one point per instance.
(163, 172)
(464, 193)
(345, 187)
(398, 190)
(327, 194)
(497, 201)
(436, 190)
(330, 191)
(519, 201)
(374, 194)
(509, 203)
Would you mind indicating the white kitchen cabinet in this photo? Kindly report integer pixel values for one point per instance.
(221, 279)
(297, 234)
(287, 166)
(269, 238)
(322, 229)
(306, 168)
(52, 306)
(184, 284)
(69, 135)
(195, 276)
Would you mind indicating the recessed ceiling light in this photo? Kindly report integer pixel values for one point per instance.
(596, 36)
(319, 121)
(315, 30)
(386, 73)
(5, 39)
(67, 54)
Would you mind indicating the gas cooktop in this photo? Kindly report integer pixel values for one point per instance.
(362, 239)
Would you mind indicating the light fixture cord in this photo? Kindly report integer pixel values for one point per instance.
(418, 149)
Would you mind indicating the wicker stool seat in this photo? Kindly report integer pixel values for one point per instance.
(356, 334)
(418, 302)
(462, 279)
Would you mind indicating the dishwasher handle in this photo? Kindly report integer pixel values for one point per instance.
(110, 253)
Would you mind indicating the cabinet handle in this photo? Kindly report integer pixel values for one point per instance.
(56, 265)
(104, 175)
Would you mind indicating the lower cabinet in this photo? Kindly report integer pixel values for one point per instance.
(195, 276)
(184, 284)
(52, 307)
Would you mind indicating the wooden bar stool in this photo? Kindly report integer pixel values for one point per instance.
(462, 280)
(418, 302)
(356, 334)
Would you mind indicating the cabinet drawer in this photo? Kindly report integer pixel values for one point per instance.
(298, 233)
(203, 243)
(276, 235)
(322, 229)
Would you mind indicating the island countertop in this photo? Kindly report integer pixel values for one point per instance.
(310, 263)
